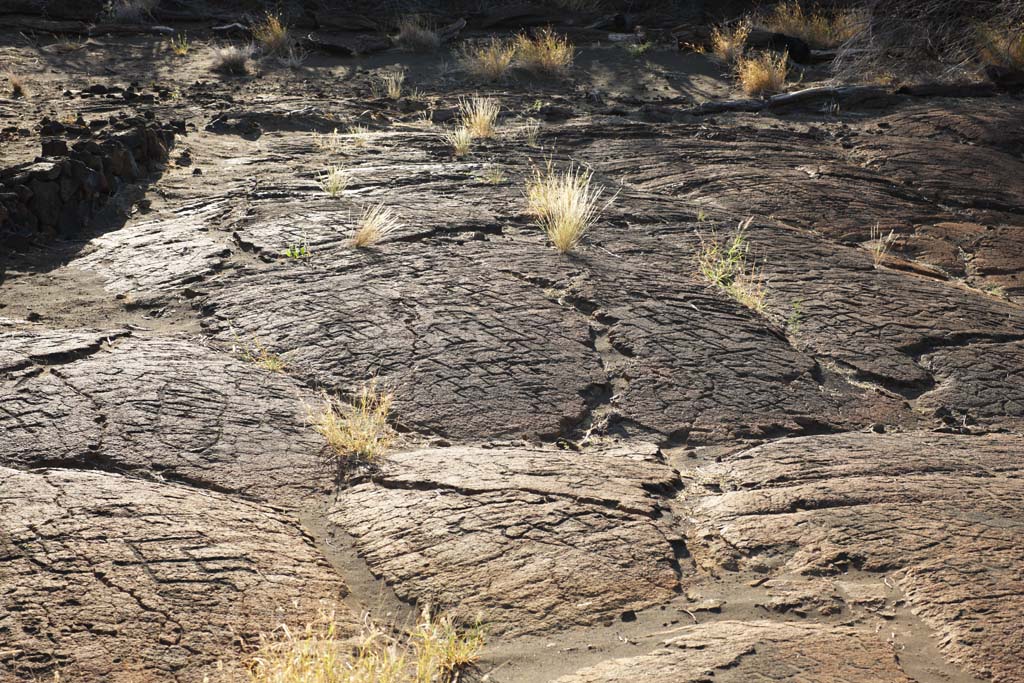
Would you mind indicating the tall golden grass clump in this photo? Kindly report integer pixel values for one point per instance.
(489, 60)
(728, 43)
(272, 34)
(376, 223)
(814, 26)
(479, 116)
(358, 429)
(436, 650)
(763, 73)
(565, 203)
(546, 52)
(461, 140)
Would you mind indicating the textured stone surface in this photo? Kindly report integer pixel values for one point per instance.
(531, 540)
(940, 513)
(166, 408)
(742, 651)
(116, 579)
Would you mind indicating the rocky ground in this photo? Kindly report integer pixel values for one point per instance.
(626, 474)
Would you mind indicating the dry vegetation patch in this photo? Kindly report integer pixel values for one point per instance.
(546, 52)
(566, 203)
(272, 35)
(357, 429)
(763, 73)
(729, 42)
(16, 85)
(232, 59)
(1002, 44)
(726, 264)
(479, 115)
(416, 35)
(488, 60)
(812, 24)
(376, 223)
(435, 650)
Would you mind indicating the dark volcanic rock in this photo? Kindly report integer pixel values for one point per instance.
(937, 513)
(532, 540)
(163, 407)
(743, 651)
(107, 578)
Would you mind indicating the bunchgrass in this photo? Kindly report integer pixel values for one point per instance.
(565, 203)
(180, 44)
(272, 34)
(258, 354)
(435, 650)
(231, 59)
(488, 60)
(356, 430)
(376, 223)
(16, 85)
(725, 263)
(461, 140)
(390, 85)
(763, 73)
(334, 180)
(546, 52)
(881, 243)
(812, 24)
(729, 42)
(479, 115)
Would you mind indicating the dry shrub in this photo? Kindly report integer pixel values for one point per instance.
(565, 203)
(813, 25)
(489, 60)
(545, 53)
(416, 35)
(764, 73)
(461, 140)
(232, 59)
(728, 43)
(272, 34)
(1002, 44)
(926, 39)
(435, 650)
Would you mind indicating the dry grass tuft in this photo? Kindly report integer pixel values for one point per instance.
(330, 143)
(376, 223)
(359, 135)
(293, 58)
(814, 26)
(479, 115)
(390, 85)
(488, 61)
(545, 53)
(416, 35)
(17, 85)
(729, 43)
(565, 204)
(881, 244)
(436, 650)
(272, 34)
(461, 140)
(232, 59)
(724, 264)
(259, 355)
(764, 73)
(358, 429)
(180, 44)
(334, 180)
(531, 132)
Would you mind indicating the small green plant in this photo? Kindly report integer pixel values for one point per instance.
(357, 429)
(637, 50)
(796, 316)
(334, 180)
(724, 263)
(297, 251)
(493, 175)
(180, 44)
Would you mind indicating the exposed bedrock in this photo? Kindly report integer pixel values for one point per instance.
(528, 539)
(939, 514)
(159, 407)
(110, 578)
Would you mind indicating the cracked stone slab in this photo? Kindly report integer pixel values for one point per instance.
(743, 651)
(169, 408)
(938, 513)
(105, 577)
(531, 540)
